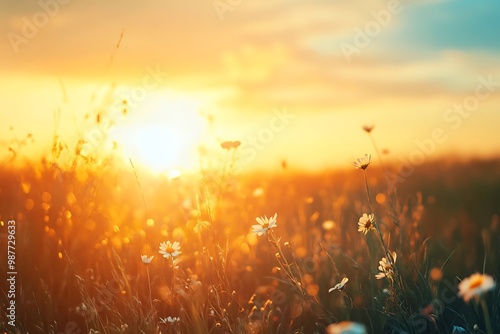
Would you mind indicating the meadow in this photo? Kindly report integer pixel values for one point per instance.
(279, 252)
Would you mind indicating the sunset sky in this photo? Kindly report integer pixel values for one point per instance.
(292, 80)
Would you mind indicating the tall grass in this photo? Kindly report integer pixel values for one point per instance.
(84, 224)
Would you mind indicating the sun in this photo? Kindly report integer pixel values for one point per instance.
(155, 146)
(162, 137)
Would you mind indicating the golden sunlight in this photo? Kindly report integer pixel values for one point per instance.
(162, 136)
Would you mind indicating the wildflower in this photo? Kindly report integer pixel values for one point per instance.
(346, 327)
(366, 223)
(386, 267)
(230, 144)
(147, 260)
(169, 320)
(82, 309)
(328, 225)
(264, 225)
(363, 162)
(169, 249)
(284, 164)
(174, 175)
(428, 311)
(258, 192)
(368, 128)
(475, 286)
(458, 330)
(339, 286)
(436, 274)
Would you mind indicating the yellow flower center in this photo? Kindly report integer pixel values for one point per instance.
(368, 224)
(170, 250)
(265, 225)
(477, 282)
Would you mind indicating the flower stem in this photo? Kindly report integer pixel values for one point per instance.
(149, 285)
(173, 279)
(368, 190)
(377, 227)
(377, 150)
(379, 232)
(486, 315)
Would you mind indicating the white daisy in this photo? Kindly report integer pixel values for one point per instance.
(386, 267)
(168, 249)
(366, 223)
(264, 225)
(147, 260)
(339, 286)
(363, 162)
(475, 286)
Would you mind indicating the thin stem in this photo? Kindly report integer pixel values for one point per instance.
(149, 285)
(172, 328)
(377, 227)
(390, 188)
(285, 264)
(377, 150)
(140, 187)
(367, 190)
(173, 279)
(486, 315)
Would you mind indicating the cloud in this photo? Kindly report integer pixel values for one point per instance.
(262, 55)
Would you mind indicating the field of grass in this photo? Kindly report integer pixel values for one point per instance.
(80, 232)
